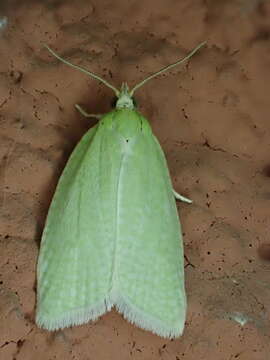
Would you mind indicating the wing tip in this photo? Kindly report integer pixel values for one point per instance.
(129, 311)
(148, 322)
(72, 317)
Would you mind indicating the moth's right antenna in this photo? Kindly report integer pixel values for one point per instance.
(136, 87)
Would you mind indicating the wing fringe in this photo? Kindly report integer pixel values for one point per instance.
(129, 311)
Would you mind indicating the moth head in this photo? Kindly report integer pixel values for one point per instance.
(125, 100)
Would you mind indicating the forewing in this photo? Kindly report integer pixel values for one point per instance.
(150, 250)
(75, 261)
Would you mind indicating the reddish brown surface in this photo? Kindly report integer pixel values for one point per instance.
(212, 119)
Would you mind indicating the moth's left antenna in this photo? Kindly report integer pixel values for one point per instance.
(117, 92)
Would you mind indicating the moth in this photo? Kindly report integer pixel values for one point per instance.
(112, 235)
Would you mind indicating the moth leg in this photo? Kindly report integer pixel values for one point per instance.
(84, 113)
(181, 197)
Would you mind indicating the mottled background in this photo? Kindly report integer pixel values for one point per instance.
(212, 119)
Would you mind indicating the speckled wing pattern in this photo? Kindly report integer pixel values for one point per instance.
(112, 236)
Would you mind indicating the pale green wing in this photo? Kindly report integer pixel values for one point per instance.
(150, 264)
(112, 235)
(74, 274)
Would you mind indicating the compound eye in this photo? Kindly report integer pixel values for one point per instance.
(114, 101)
(134, 102)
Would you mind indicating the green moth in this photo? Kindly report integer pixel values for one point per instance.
(112, 236)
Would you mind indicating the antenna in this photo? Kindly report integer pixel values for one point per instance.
(117, 92)
(136, 87)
